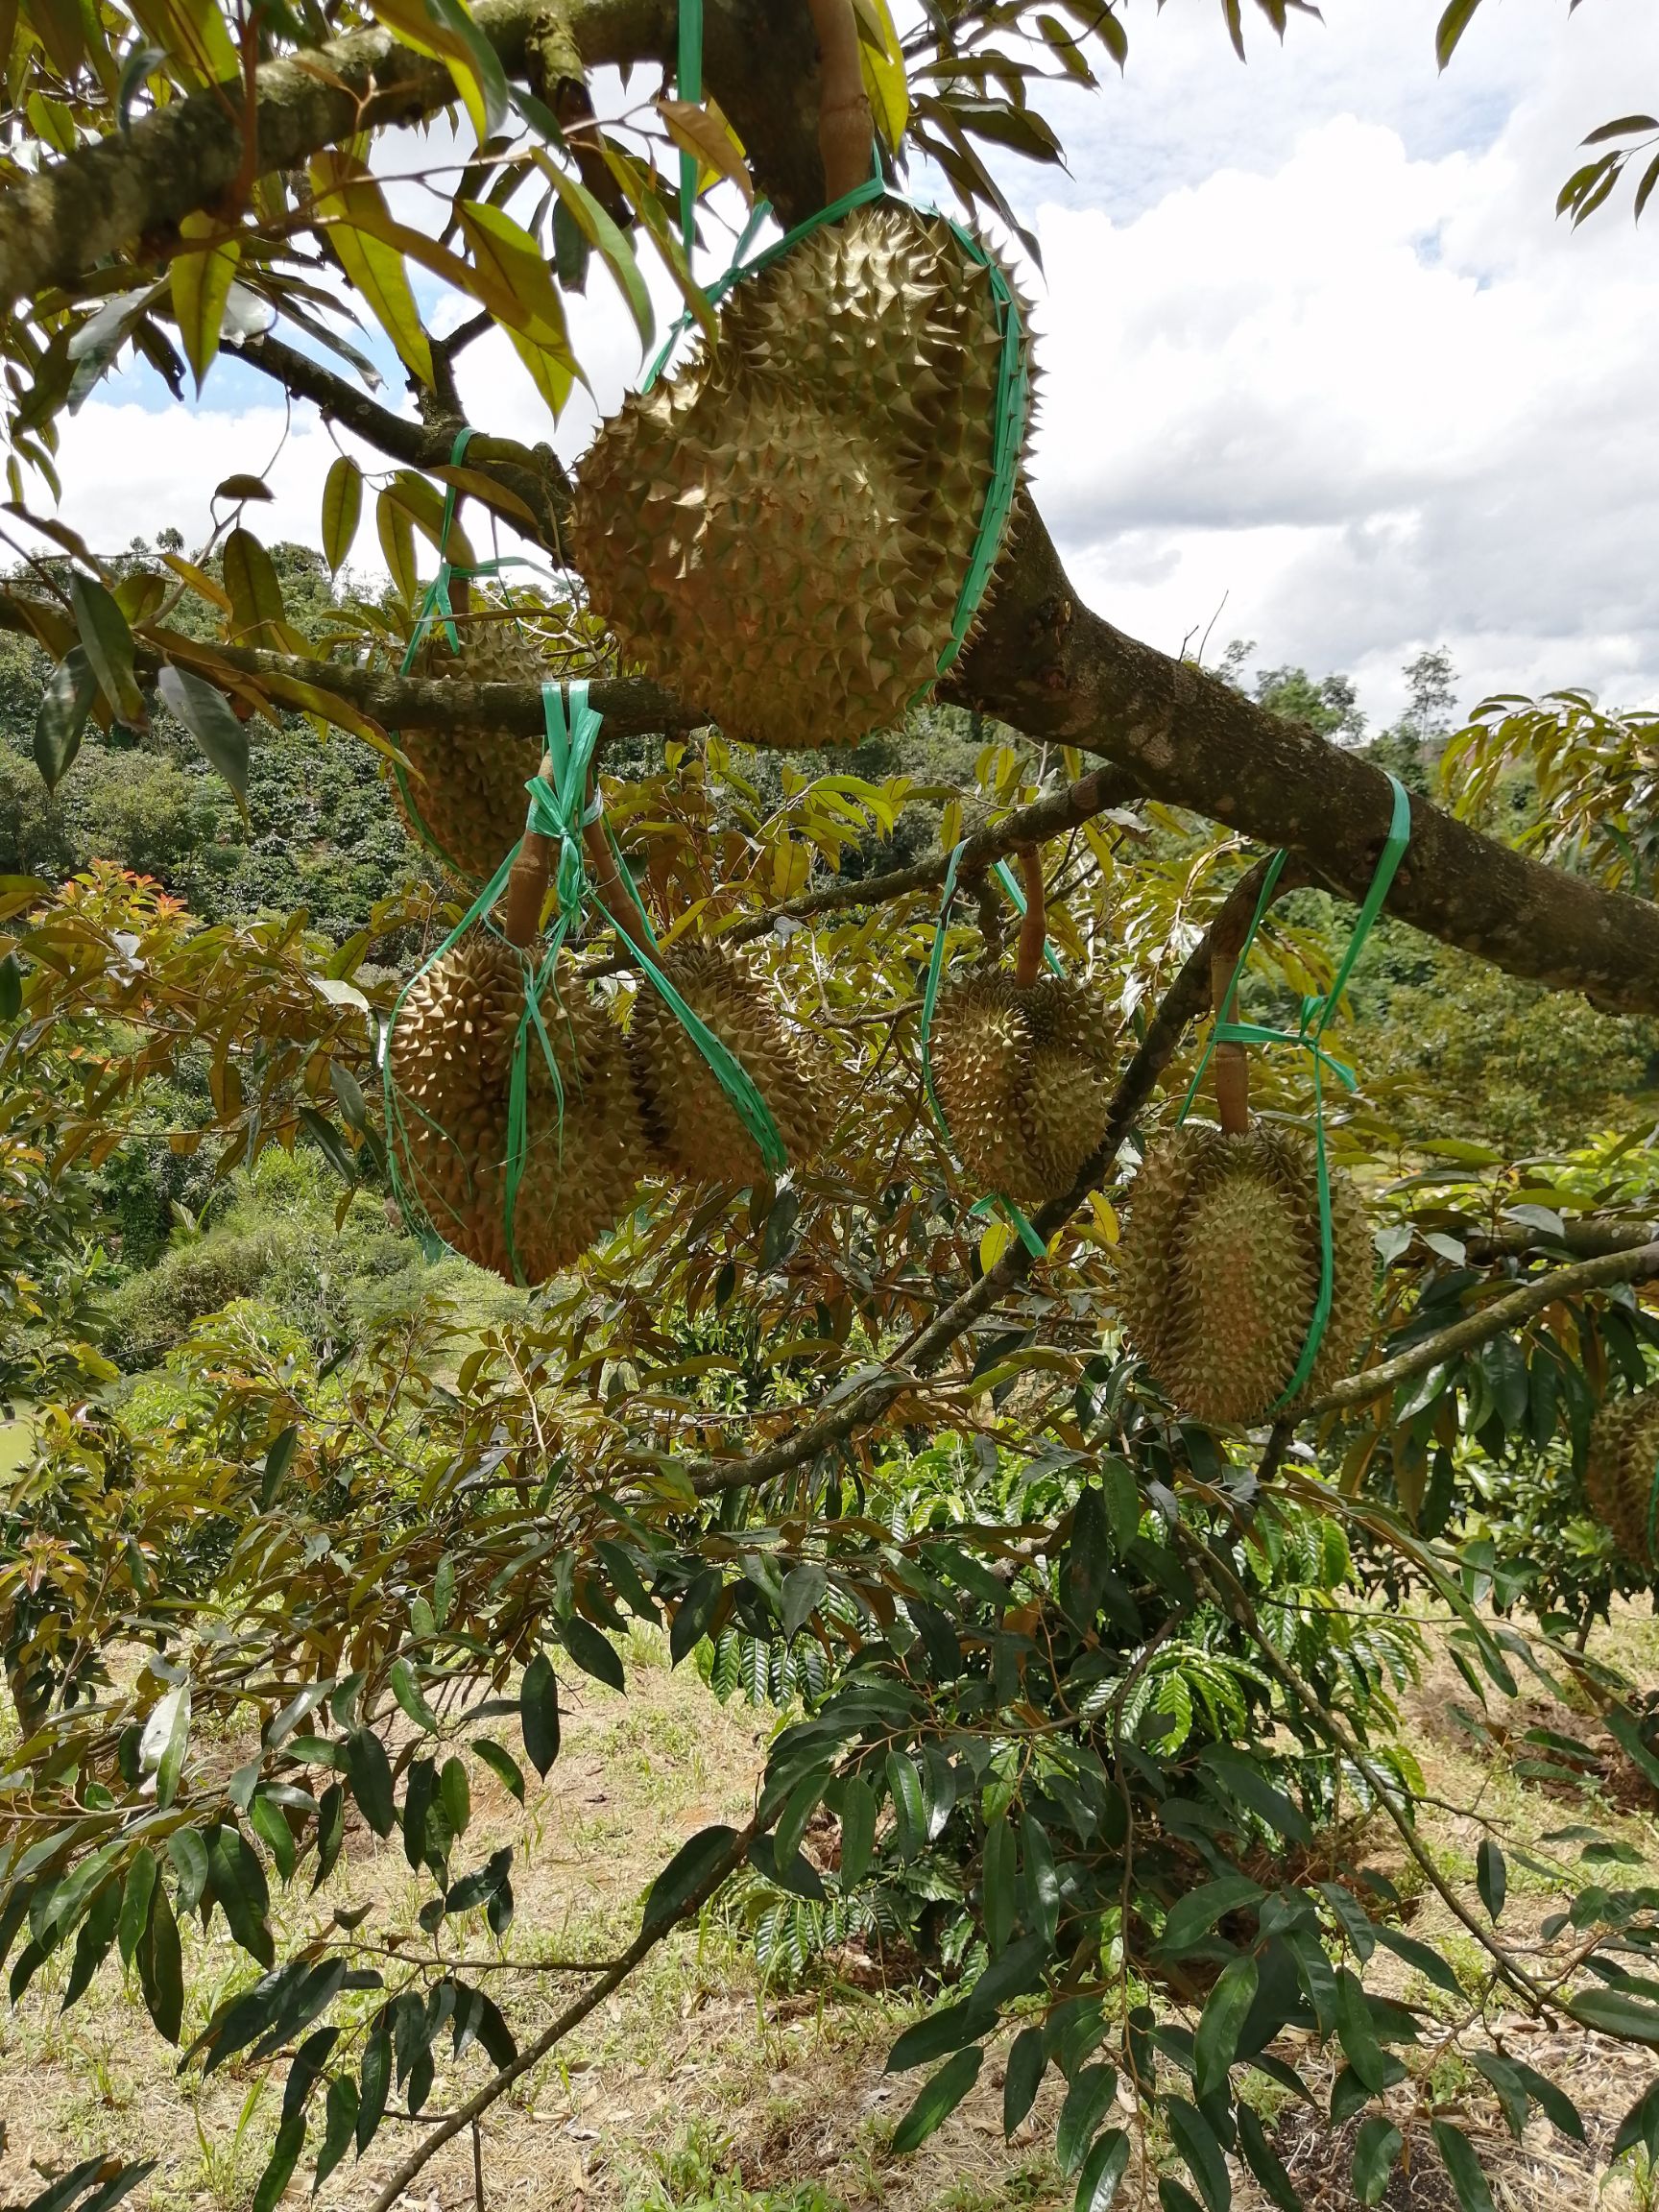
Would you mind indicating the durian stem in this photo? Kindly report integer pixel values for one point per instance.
(846, 127)
(527, 882)
(613, 892)
(1034, 928)
(1231, 1062)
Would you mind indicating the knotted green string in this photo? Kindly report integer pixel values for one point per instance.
(1015, 1219)
(1318, 1013)
(559, 810)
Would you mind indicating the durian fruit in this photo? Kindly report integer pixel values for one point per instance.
(694, 1126)
(1218, 1270)
(1621, 1469)
(1024, 1077)
(466, 787)
(451, 1051)
(780, 530)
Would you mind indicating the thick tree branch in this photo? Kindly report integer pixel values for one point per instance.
(1042, 662)
(1493, 1320)
(1046, 663)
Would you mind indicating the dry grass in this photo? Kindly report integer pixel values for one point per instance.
(696, 2086)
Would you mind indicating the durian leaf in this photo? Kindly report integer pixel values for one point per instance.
(372, 261)
(201, 282)
(509, 277)
(342, 510)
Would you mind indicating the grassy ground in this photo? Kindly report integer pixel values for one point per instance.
(694, 2086)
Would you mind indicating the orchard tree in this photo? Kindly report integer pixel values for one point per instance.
(1116, 1666)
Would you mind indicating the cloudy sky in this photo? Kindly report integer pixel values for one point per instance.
(1319, 366)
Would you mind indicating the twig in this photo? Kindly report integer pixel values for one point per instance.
(645, 1943)
(1490, 1321)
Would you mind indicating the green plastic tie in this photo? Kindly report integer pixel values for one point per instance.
(689, 84)
(1317, 1014)
(1015, 1219)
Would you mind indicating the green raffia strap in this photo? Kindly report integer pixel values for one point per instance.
(1011, 403)
(1017, 1220)
(561, 810)
(1317, 1014)
(688, 84)
(1006, 878)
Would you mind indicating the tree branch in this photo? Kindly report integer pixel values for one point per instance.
(1186, 999)
(1042, 662)
(1051, 817)
(573, 2017)
(1504, 1314)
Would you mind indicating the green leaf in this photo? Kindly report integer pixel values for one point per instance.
(330, 1832)
(1121, 1496)
(804, 1589)
(684, 1876)
(1428, 1962)
(189, 1856)
(1002, 1885)
(370, 1773)
(580, 208)
(1087, 2101)
(1027, 2060)
(135, 1897)
(942, 2032)
(376, 2085)
(1640, 2125)
(200, 287)
(501, 1764)
(11, 988)
(1376, 2147)
(64, 705)
(284, 2157)
(455, 1795)
(1088, 1557)
(330, 1142)
(278, 1458)
(408, 1693)
(240, 1889)
(1464, 2167)
(1192, 1915)
(109, 647)
(1450, 28)
(1491, 1875)
(1358, 2034)
(1193, 2137)
(341, 508)
(909, 1808)
(340, 2120)
(538, 1715)
(857, 1830)
(938, 2097)
(1552, 2101)
(1264, 2162)
(591, 1653)
(206, 715)
(1611, 2013)
(92, 1944)
(1103, 2170)
(1040, 1887)
(256, 590)
(1240, 1776)
(161, 1746)
(161, 1969)
(1226, 2010)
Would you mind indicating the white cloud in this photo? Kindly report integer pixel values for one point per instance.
(1313, 343)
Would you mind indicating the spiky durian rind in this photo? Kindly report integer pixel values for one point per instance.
(1024, 1077)
(1218, 1270)
(781, 529)
(462, 792)
(451, 1051)
(1620, 1470)
(694, 1126)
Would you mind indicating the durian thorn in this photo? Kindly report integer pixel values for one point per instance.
(1034, 928)
(527, 882)
(846, 125)
(1231, 1061)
